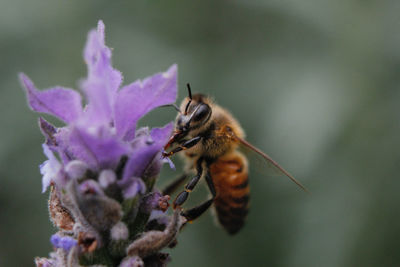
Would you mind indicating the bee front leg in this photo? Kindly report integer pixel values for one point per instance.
(185, 145)
(182, 196)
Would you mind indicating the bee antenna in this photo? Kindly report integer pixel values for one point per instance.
(190, 97)
(189, 90)
(172, 105)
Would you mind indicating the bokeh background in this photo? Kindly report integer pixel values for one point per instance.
(314, 83)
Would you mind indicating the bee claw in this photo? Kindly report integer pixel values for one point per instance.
(183, 214)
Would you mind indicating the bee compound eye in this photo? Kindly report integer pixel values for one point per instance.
(201, 113)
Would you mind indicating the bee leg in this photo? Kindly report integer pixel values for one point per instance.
(171, 188)
(185, 145)
(182, 196)
(195, 212)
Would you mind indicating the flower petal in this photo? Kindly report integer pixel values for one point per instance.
(99, 149)
(131, 187)
(135, 100)
(102, 82)
(50, 169)
(48, 130)
(64, 103)
(56, 139)
(143, 155)
(67, 243)
(170, 163)
(64, 242)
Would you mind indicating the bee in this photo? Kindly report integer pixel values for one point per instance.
(209, 137)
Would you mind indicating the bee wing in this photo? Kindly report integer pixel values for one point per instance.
(267, 160)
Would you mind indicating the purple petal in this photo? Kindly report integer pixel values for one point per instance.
(99, 149)
(170, 163)
(142, 137)
(131, 187)
(48, 130)
(103, 81)
(135, 100)
(55, 240)
(62, 144)
(94, 44)
(50, 169)
(64, 103)
(64, 242)
(67, 243)
(143, 155)
(56, 139)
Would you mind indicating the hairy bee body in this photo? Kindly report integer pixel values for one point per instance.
(227, 167)
(210, 136)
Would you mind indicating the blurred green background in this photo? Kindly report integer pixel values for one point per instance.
(314, 83)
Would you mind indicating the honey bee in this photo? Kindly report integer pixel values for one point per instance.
(210, 137)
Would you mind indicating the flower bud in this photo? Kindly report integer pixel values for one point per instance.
(76, 169)
(134, 261)
(131, 187)
(90, 187)
(119, 232)
(43, 262)
(106, 178)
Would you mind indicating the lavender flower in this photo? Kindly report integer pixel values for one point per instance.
(64, 242)
(101, 169)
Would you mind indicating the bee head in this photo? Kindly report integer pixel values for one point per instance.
(195, 112)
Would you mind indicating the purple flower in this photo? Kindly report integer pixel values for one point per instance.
(131, 187)
(154, 201)
(64, 242)
(101, 131)
(101, 167)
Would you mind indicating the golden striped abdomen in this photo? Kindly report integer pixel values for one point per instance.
(230, 176)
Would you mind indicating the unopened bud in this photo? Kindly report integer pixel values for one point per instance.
(134, 261)
(119, 232)
(106, 178)
(76, 169)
